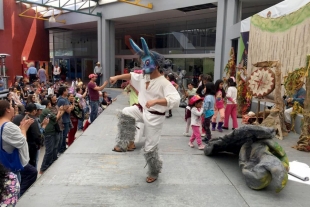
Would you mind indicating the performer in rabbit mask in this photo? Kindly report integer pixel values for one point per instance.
(156, 96)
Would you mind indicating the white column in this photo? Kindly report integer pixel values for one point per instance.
(99, 37)
(226, 30)
(220, 36)
(111, 50)
(231, 20)
(108, 48)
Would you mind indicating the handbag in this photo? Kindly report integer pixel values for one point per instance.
(10, 160)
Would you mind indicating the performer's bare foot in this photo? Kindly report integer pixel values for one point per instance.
(150, 179)
(131, 146)
(129, 149)
(117, 149)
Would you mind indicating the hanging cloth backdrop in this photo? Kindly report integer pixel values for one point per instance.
(284, 36)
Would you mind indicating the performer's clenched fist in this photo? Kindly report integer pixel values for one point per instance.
(113, 80)
(149, 104)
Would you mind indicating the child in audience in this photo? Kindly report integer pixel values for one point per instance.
(219, 105)
(196, 112)
(187, 118)
(191, 91)
(231, 107)
(208, 108)
(170, 77)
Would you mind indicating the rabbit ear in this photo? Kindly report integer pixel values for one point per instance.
(135, 47)
(145, 47)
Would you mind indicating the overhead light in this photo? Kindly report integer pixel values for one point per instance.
(52, 18)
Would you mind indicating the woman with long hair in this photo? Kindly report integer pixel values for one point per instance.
(231, 106)
(31, 99)
(219, 105)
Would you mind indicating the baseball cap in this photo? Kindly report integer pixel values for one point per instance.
(39, 106)
(97, 63)
(92, 76)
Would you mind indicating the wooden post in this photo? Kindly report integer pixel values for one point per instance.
(276, 117)
(277, 91)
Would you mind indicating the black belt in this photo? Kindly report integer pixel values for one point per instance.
(152, 112)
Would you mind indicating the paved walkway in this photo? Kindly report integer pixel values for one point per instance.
(90, 174)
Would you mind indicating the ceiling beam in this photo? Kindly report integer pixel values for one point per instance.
(44, 4)
(137, 3)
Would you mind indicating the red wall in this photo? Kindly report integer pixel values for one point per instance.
(22, 37)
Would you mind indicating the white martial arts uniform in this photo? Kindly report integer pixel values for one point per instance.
(158, 88)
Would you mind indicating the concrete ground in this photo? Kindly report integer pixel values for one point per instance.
(89, 173)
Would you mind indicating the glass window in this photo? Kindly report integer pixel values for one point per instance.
(184, 37)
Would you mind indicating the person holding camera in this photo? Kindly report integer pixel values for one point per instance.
(50, 134)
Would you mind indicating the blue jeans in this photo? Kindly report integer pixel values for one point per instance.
(81, 120)
(49, 143)
(62, 142)
(94, 110)
(56, 77)
(58, 137)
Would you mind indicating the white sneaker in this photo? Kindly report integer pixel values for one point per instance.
(203, 135)
(191, 144)
(201, 147)
(186, 134)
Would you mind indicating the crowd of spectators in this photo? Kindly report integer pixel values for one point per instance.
(36, 114)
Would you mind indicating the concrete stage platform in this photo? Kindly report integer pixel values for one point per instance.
(89, 173)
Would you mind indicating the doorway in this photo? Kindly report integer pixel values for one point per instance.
(89, 65)
(64, 65)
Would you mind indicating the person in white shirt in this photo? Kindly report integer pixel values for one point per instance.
(56, 72)
(98, 72)
(50, 90)
(156, 96)
(231, 106)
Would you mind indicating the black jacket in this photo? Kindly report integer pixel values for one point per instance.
(33, 133)
(200, 90)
